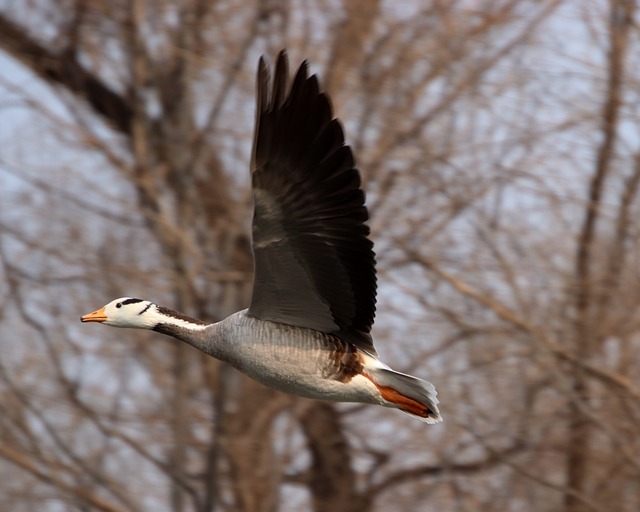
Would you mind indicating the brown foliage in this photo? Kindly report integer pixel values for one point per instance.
(498, 142)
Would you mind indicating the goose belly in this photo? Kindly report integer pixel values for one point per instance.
(298, 361)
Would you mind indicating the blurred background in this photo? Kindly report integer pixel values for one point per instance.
(499, 147)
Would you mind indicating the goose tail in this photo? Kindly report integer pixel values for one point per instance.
(413, 396)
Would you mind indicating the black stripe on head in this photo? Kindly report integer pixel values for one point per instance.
(130, 301)
(145, 309)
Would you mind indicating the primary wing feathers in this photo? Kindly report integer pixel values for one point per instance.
(314, 265)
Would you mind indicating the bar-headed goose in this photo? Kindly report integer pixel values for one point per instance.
(307, 330)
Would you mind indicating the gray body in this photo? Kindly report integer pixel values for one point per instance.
(291, 359)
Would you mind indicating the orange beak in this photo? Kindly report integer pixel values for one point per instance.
(96, 316)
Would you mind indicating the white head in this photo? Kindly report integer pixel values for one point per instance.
(126, 312)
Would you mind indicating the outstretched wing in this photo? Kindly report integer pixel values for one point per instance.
(314, 265)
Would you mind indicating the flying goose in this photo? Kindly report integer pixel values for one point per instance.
(307, 330)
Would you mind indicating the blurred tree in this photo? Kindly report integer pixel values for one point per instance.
(500, 148)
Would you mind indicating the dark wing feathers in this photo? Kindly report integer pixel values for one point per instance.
(314, 263)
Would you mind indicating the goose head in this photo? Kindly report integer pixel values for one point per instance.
(126, 312)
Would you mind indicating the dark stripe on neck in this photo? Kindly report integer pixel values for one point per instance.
(177, 331)
(175, 314)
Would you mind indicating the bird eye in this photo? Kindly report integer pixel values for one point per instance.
(119, 305)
